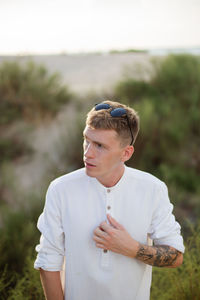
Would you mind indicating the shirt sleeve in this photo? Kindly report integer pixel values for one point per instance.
(51, 250)
(164, 229)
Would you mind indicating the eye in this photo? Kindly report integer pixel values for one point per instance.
(99, 145)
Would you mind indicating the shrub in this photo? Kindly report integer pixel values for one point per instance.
(18, 233)
(19, 236)
(169, 108)
(28, 284)
(13, 147)
(182, 282)
(29, 92)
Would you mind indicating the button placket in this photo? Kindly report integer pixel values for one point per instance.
(109, 202)
(105, 255)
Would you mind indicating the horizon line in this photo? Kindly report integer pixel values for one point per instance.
(111, 51)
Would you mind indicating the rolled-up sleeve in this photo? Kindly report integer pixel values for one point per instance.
(164, 229)
(50, 250)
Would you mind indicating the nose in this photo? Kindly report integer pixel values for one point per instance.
(89, 151)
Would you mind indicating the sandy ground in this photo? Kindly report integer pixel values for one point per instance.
(47, 143)
(86, 72)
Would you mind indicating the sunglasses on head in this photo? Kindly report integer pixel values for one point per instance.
(116, 112)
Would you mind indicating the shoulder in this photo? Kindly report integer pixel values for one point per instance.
(68, 179)
(144, 178)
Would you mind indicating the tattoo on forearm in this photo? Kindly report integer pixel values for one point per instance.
(160, 256)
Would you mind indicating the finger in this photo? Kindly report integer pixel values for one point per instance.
(98, 240)
(100, 246)
(99, 232)
(105, 227)
(114, 223)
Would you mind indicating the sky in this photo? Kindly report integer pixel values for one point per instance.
(71, 26)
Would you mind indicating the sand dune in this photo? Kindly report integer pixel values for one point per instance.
(85, 72)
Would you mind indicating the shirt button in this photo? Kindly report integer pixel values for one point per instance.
(108, 207)
(108, 190)
(105, 251)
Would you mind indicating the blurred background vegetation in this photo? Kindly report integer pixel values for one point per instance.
(41, 127)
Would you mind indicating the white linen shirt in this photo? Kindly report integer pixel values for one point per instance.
(75, 205)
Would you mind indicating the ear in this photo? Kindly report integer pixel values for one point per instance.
(127, 153)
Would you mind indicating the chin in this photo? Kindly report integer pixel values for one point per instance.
(89, 173)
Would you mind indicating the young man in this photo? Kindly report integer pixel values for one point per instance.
(103, 217)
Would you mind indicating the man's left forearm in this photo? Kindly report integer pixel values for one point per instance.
(114, 237)
(159, 256)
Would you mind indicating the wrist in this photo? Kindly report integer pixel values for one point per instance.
(134, 249)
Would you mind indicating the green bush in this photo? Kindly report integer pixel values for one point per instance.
(18, 233)
(28, 284)
(13, 147)
(131, 90)
(183, 282)
(28, 96)
(19, 236)
(7, 280)
(21, 285)
(178, 76)
(29, 92)
(168, 145)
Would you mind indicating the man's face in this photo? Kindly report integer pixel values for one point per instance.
(103, 154)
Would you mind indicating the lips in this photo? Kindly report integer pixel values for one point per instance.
(87, 164)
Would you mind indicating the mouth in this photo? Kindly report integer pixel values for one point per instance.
(89, 165)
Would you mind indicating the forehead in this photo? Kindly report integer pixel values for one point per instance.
(101, 135)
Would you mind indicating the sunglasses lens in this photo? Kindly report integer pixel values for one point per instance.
(102, 106)
(118, 112)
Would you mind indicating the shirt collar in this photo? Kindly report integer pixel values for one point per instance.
(117, 186)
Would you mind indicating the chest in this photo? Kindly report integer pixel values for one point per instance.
(83, 211)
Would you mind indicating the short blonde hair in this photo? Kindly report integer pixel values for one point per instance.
(102, 119)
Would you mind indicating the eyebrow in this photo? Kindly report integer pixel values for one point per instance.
(96, 142)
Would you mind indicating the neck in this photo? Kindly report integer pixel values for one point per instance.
(113, 177)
